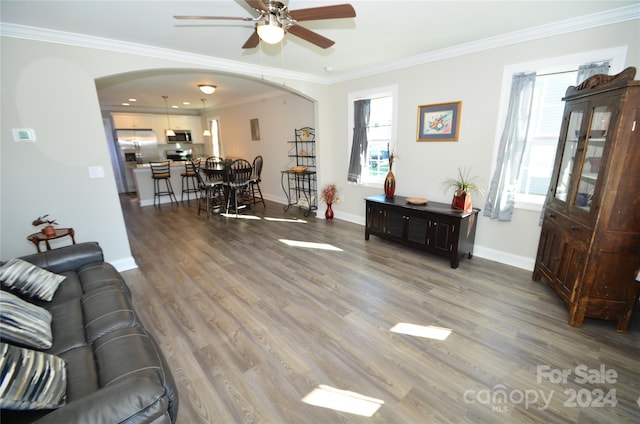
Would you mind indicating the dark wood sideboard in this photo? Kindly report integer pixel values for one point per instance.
(434, 227)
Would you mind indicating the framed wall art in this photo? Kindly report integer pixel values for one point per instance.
(439, 122)
(255, 129)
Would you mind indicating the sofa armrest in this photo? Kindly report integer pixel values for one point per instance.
(140, 400)
(68, 258)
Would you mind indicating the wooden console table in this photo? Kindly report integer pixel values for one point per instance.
(434, 227)
(37, 238)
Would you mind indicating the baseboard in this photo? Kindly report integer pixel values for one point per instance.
(504, 258)
(124, 264)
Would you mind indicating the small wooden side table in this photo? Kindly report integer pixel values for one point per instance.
(38, 237)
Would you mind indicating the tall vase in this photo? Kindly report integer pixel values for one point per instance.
(329, 212)
(389, 184)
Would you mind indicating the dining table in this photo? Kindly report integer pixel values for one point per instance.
(220, 171)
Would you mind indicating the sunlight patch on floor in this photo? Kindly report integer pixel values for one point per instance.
(429, 331)
(299, 221)
(309, 245)
(343, 400)
(233, 215)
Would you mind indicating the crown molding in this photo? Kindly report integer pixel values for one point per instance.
(609, 17)
(210, 62)
(613, 16)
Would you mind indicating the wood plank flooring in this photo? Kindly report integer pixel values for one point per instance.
(250, 326)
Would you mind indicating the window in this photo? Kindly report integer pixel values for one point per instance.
(380, 134)
(542, 137)
(554, 76)
(215, 138)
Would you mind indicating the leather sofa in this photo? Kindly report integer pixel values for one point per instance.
(116, 372)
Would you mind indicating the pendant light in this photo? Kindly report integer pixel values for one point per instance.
(206, 132)
(169, 132)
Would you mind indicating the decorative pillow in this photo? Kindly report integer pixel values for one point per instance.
(28, 279)
(24, 323)
(31, 379)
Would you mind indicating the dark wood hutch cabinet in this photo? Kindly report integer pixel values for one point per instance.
(589, 249)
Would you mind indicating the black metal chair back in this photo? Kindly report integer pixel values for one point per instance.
(240, 172)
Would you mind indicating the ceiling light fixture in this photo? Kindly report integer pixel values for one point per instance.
(169, 132)
(207, 89)
(206, 132)
(270, 31)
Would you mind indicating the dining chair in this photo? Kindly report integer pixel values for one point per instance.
(161, 171)
(212, 163)
(210, 192)
(191, 167)
(254, 181)
(238, 182)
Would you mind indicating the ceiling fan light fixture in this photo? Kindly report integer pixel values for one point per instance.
(207, 88)
(270, 31)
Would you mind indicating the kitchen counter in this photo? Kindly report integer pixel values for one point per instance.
(144, 182)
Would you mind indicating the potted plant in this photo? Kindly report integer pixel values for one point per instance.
(462, 185)
(329, 196)
(49, 229)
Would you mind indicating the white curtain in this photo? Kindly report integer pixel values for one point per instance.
(501, 194)
(590, 69)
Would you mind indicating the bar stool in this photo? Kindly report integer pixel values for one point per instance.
(161, 171)
(191, 168)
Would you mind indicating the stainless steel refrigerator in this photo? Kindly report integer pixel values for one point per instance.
(134, 147)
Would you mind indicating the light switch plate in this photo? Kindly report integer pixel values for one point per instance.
(96, 172)
(23, 134)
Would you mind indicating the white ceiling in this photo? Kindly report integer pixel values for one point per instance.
(383, 33)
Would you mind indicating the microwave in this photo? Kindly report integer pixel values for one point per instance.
(182, 136)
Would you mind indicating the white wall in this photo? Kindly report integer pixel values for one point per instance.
(475, 79)
(278, 117)
(51, 88)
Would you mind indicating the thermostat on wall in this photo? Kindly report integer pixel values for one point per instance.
(23, 134)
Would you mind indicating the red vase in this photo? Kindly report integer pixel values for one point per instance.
(329, 212)
(389, 184)
(462, 201)
(49, 231)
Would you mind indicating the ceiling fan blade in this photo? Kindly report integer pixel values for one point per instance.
(211, 17)
(324, 12)
(310, 36)
(252, 41)
(258, 5)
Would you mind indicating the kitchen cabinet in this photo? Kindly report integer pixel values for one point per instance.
(434, 227)
(158, 123)
(133, 120)
(589, 248)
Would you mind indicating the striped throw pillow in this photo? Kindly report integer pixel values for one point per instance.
(30, 280)
(31, 379)
(24, 323)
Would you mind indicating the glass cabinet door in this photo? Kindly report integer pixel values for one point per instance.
(570, 147)
(592, 154)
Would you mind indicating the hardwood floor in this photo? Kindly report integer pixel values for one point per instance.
(250, 326)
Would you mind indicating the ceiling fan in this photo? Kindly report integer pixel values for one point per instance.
(274, 19)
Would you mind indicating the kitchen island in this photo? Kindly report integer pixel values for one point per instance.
(144, 182)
